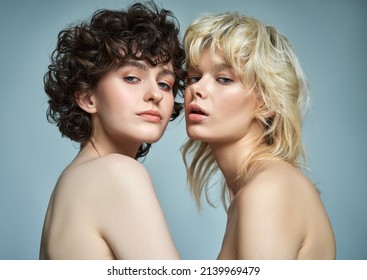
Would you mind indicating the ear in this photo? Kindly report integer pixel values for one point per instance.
(264, 111)
(268, 114)
(86, 101)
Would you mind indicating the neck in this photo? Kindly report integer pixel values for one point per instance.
(91, 141)
(102, 148)
(230, 158)
(105, 143)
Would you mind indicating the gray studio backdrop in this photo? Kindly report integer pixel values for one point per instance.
(328, 36)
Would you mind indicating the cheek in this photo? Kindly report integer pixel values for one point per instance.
(238, 108)
(228, 106)
(187, 96)
(167, 104)
(117, 106)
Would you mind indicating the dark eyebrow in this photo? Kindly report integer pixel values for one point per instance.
(142, 66)
(166, 71)
(134, 63)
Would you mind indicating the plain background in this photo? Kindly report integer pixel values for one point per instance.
(330, 40)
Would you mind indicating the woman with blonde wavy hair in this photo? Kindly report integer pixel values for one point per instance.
(245, 99)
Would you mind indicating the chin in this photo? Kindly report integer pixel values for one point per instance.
(149, 135)
(151, 139)
(194, 134)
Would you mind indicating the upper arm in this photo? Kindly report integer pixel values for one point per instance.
(268, 225)
(132, 221)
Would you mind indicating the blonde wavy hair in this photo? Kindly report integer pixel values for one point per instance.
(267, 63)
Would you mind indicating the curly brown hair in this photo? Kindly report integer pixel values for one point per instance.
(87, 51)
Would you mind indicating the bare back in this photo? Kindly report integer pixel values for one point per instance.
(278, 215)
(105, 208)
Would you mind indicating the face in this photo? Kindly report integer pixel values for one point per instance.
(133, 104)
(219, 108)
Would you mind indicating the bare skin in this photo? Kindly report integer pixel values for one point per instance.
(93, 209)
(278, 215)
(94, 214)
(104, 205)
(276, 212)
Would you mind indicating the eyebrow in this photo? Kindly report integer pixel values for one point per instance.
(216, 67)
(142, 66)
(222, 66)
(134, 63)
(165, 71)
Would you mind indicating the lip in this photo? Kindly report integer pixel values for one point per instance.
(151, 115)
(195, 112)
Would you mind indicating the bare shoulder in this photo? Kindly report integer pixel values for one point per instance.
(282, 192)
(110, 171)
(86, 188)
(278, 180)
(112, 181)
(278, 211)
(112, 201)
(112, 164)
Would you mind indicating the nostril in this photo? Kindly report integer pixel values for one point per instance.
(198, 94)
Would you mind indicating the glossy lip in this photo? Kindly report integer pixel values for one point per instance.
(151, 115)
(195, 112)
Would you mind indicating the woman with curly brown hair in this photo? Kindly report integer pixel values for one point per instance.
(112, 84)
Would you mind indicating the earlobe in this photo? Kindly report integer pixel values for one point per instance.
(86, 101)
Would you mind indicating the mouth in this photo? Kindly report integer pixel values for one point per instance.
(151, 116)
(196, 113)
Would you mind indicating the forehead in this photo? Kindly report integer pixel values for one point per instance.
(214, 60)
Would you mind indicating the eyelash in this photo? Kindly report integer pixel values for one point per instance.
(133, 80)
(165, 86)
(190, 80)
(224, 81)
(221, 80)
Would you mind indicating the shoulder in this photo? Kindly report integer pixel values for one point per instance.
(270, 212)
(277, 180)
(112, 198)
(122, 167)
(106, 185)
(97, 180)
(110, 168)
(277, 189)
(116, 162)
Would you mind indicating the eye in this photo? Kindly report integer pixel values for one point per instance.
(224, 80)
(192, 80)
(131, 79)
(164, 86)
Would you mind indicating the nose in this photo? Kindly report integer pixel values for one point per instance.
(198, 89)
(153, 93)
